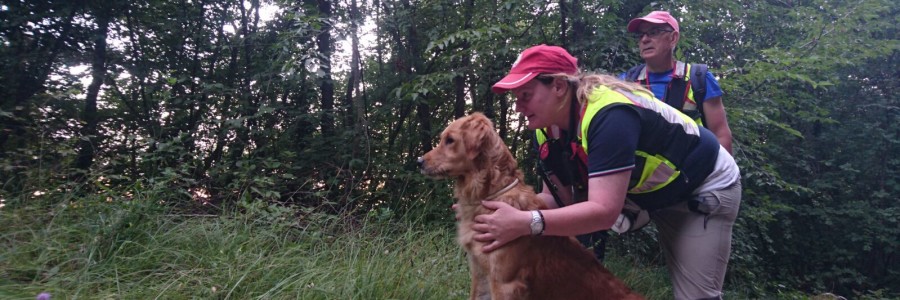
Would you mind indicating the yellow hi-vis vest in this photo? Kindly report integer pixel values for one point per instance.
(652, 171)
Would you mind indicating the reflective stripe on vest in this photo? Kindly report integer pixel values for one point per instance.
(657, 173)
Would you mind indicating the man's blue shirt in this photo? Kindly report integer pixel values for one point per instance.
(659, 82)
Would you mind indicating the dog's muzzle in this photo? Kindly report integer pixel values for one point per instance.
(426, 171)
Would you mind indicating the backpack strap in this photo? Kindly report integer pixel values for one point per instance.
(543, 170)
(676, 91)
(698, 85)
(633, 74)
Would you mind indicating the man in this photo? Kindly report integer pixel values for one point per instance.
(687, 87)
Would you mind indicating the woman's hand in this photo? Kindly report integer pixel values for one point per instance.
(455, 208)
(502, 226)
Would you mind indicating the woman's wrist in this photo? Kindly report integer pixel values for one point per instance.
(536, 223)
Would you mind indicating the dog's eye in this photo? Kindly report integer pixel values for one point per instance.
(448, 140)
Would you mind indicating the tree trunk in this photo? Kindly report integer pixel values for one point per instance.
(89, 115)
(578, 26)
(459, 81)
(459, 88)
(502, 119)
(355, 107)
(248, 106)
(423, 114)
(423, 110)
(326, 84)
(563, 27)
(487, 102)
(395, 130)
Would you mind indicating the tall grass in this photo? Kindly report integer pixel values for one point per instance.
(137, 250)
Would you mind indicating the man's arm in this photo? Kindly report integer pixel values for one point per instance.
(717, 122)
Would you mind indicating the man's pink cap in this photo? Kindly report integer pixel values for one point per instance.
(656, 17)
(540, 59)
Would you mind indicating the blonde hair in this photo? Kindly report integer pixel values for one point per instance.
(587, 82)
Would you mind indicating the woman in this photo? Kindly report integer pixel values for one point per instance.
(636, 147)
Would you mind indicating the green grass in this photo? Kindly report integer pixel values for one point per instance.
(133, 250)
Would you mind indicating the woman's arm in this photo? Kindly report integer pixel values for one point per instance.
(546, 196)
(606, 196)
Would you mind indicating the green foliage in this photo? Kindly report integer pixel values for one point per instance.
(802, 116)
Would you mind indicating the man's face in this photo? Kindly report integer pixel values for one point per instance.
(656, 41)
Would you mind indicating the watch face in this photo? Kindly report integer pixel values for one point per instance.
(536, 224)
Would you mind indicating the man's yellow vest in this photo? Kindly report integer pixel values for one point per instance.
(682, 71)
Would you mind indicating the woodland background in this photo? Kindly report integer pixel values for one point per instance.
(301, 113)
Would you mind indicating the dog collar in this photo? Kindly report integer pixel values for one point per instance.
(504, 190)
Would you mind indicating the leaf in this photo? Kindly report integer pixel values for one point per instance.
(788, 129)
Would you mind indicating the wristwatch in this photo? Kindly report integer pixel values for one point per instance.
(537, 222)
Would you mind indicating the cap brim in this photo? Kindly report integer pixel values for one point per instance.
(512, 81)
(635, 23)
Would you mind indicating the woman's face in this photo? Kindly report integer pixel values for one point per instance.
(539, 103)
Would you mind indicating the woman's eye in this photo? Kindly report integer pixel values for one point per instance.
(448, 141)
(526, 97)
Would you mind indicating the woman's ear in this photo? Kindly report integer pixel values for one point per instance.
(560, 86)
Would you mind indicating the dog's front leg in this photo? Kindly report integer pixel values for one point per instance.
(514, 290)
(481, 289)
(506, 277)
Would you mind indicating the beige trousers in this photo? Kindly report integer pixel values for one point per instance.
(697, 246)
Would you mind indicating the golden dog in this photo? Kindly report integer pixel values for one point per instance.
(530, 267)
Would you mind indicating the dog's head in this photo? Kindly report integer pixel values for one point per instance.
(466, 146)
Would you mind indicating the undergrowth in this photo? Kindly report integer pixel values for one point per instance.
(98, 249)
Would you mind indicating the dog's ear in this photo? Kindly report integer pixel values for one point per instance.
(480, 136)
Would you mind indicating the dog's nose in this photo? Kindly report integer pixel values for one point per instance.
(420, 162)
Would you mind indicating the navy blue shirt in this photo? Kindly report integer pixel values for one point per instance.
(614, 135)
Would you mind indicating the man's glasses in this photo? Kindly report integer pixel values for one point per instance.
(652, 33)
